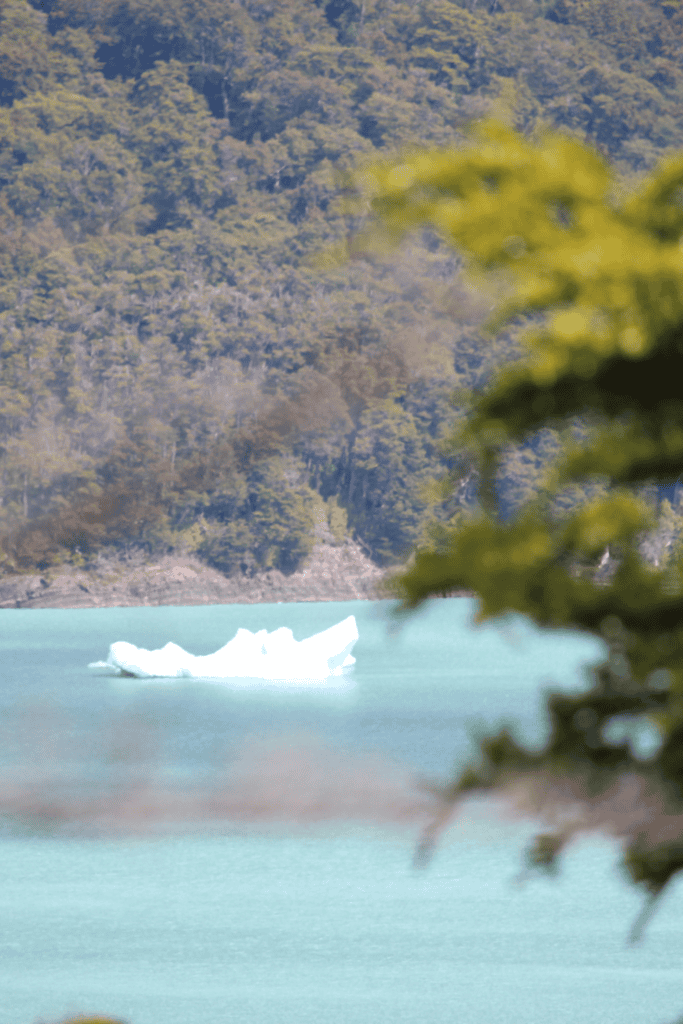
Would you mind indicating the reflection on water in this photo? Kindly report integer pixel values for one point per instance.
(295, 779)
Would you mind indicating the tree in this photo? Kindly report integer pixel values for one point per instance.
(23, 50)
(388, 472)
(594, 270)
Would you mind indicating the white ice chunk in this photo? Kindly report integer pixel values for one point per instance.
(262, 655)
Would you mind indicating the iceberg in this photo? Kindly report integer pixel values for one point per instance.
(275, 656)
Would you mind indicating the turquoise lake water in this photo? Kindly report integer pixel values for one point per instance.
(191, 853)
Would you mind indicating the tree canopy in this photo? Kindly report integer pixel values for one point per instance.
(168, 173)
(593, 269)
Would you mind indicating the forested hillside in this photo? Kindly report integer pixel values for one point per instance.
(181, 368)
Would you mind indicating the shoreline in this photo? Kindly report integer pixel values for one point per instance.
(330, 573)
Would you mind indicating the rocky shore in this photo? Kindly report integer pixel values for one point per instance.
(331, 573)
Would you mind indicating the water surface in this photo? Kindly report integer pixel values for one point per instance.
(199, 854)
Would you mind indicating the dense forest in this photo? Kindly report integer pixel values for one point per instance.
(184, 363)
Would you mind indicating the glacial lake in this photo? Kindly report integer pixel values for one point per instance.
(193, 853)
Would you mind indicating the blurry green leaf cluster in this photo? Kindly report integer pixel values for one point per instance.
(593, 269)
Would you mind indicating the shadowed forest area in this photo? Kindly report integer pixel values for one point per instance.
(181, 368)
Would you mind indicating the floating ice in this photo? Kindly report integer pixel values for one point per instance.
(263, 655)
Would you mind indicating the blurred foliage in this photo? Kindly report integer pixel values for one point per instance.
(168, 173)
(593, 268)
(93, 1020)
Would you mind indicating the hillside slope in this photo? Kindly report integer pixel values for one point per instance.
(180, 369)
